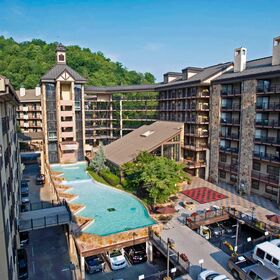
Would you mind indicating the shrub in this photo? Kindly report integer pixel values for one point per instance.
(109, 177)
(96, 177)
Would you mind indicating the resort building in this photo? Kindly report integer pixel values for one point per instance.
(161, 138)
(9, 181)
(245, 125)
(184, 97)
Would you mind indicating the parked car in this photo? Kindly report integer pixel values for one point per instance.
(25, 198)
(211, 275)
(40, 179)
(227, 226)
(24, 238)
(216, 230)
(136, 254)
(116, 259)
(94, 264)
(244, 268)
(22, 264)
(276, 242)
(24, 190)
(24, 184)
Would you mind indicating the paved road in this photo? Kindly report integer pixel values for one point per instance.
(196, 248)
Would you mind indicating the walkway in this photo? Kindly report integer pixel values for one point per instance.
(196, 248)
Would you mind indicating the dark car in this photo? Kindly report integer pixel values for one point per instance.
(216, 230)
(94, 264)
(22, 264)
(228, 227)
(40, 179)
(24, 184)
(136, 254)
(24, 238)
(25, 198)
(24, 190)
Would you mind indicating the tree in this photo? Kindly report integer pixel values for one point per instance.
(156, 177)
(98, 162)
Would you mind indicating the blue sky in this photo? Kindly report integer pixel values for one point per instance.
(149, 35)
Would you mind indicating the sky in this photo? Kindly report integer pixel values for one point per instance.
(154, 36)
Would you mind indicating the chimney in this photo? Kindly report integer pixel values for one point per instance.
(240, 55)
(60, 54)
(22, 91)
(37, 91)
(276, 51)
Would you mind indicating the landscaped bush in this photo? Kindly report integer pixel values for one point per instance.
(109, 177)
(96, 177)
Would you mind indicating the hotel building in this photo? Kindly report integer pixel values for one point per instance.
(9, 181)
(245, 125)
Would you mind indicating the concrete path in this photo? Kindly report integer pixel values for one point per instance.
(196, 248)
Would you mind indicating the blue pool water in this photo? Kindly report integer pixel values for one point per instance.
(113, 210)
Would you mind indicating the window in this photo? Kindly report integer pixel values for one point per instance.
(222, 174)
(61, 57)
(275, 261)
(52, 136)
(223, 158)
(77, 105)
(271, 190)
(268, 257)
(255, 184)
(256, 166)
(263, 85)
(273, 170)
(252, 275)
(260, 253)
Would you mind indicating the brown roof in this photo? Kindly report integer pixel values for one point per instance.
(128, 147)
(29, 96)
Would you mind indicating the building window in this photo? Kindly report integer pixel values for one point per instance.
(222, 174)
(255, 184)
(273, 170)
(77, 105)
(233, 178)
(256, 166)
(223, 158)
(263, 85)
(271, 190)
(61, 57)
(52, 136)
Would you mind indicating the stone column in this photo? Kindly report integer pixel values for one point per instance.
(149, 251)
(214, 129)
(247, 132)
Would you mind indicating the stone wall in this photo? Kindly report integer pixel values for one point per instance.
(214, 129)
(247, 132)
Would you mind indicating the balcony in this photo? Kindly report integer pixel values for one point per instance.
(67, 134)
(231, 93)
(67, 124)
(268, 123)
(230, 107)
(270, 106)
(266, 178)
(230, 121)
(66, 102)
(229, 150)
(204, 94)
(268, 140)
(192, 164)
(66, 113)
(202, 107)
(200, 134)
(266, 157)
(69, 145)
(233, 168)
(268, 90)
(231, 136)
(196, 147)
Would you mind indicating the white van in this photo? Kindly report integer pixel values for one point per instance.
(276, 242)
(268, 254)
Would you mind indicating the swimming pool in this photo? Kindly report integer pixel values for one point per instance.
(113, 210)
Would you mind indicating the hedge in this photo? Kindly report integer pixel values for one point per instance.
(109, 177)
(96, 177)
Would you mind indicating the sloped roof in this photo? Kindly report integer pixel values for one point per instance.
(58, 69)
(29, 95)
(128, 147)
(201, 76)
(261, 66)
(128, 88)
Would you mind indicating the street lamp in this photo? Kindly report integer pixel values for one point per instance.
(236, 234)
(170, 244)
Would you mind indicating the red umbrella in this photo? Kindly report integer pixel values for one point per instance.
(274, 218)
(166, 210)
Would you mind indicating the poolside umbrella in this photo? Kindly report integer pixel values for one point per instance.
(274, 218)
(166, 210)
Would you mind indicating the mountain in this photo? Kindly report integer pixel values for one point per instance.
(25, 62)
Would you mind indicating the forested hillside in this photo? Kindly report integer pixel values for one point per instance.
(24, 63)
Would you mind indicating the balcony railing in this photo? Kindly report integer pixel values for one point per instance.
(229, 107)
(272, 123)
(268, 140)
(232, 92)
(268, 106)
(229, 150)
(265, 156)
(193, 164)
(270, 89)
(231, 121)
(228, 167)
(230, 135)
(267, 178)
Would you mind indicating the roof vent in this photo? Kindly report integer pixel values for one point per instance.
(147, 133)
(22, 92)
(240, 55)
(276, 51)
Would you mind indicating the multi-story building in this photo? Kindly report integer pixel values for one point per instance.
(29, 112)
(9, 180)
(245, 124)
(184, 97)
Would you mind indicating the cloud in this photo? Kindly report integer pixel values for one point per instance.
(152, 46)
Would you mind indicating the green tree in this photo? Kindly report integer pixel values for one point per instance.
(98, 162)
(154, 177)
